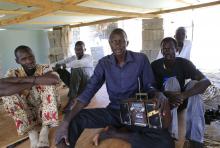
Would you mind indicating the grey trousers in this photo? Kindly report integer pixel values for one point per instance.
(195, 122)
(76, 80)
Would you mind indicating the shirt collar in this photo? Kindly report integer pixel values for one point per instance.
(128, 57)
(39, 71)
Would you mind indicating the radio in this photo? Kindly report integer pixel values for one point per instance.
(140, 111)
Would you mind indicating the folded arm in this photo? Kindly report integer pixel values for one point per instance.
(13, 85)
(202, 82)
(177, 98)
(86, 61)
(198, 88)
(7, 89)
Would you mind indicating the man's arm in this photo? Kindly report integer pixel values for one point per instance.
(67, 60)
(195, 74)
(202, 84)
(62, 131)
(94, 84)
(62, 63)
(198, 88)
(148, 78)
(177, 98)
(92, 87)
(86, 61)
(13, 85)
(7, 89)
(153, 93)
(48, 78)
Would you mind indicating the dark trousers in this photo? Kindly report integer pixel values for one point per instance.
(140, 137)
(76, 80)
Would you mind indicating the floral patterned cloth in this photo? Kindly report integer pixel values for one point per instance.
(34, 106)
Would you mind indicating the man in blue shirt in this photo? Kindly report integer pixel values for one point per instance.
(120, 71)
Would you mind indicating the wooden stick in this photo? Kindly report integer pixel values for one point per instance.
(17, 142)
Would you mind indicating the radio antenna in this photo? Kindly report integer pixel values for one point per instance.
(139, 88)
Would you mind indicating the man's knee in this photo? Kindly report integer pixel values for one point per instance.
(13, 103)
(44, 90)
(195, 102)
(77, 71)
(172, 84)
(78, 120)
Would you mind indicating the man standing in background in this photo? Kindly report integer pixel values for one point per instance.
(184, 46)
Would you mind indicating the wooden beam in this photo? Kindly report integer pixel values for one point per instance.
(67, 13)
(34, 14)
(51, 14)
(156, 12)
(54, 6)
(26, 17)
(44, 3)
(81, 9)
(75, 2)
(35, 3)
(187, 8)
(13, 12)
(101, 21)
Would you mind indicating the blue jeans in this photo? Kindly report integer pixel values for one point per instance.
(195, 122)
(140, 137)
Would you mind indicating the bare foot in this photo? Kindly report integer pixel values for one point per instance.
(33, 136)
(62, 144)
(96, 138)
(111, 132)
(43, 138)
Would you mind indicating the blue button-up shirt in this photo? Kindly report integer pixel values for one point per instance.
(121, 82)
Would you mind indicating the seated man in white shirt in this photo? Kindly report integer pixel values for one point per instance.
(81, 68)
(183, 46)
